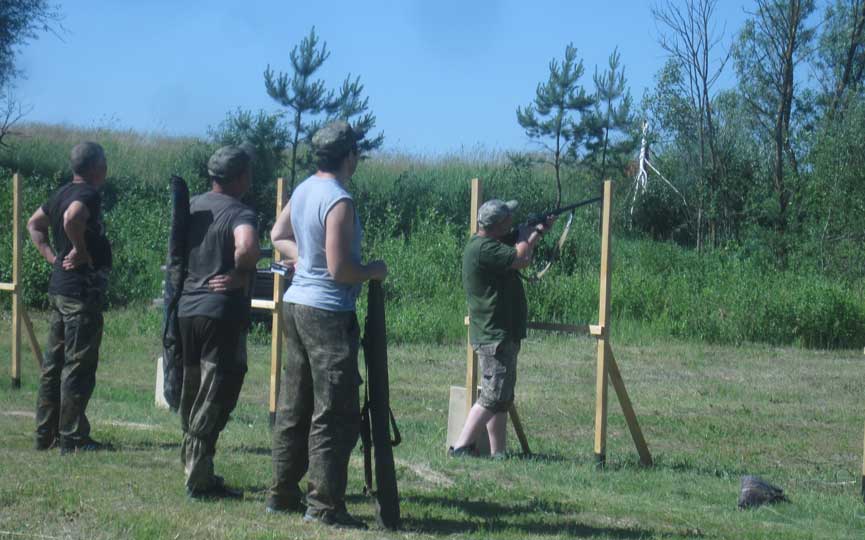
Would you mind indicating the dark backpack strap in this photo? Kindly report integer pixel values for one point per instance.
(366, 441)
(397, 438)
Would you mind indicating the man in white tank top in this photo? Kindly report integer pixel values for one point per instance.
(318, 414)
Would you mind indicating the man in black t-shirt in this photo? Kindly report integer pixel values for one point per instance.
(213, 314)
(80, 260)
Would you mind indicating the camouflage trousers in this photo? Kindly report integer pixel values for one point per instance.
(68, 371)
(214, 366)
(318, 413)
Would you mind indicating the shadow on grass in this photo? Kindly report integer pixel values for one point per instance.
(534, 517)
(680, 465)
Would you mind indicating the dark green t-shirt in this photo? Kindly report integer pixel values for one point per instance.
(210, 244)
(497, 301)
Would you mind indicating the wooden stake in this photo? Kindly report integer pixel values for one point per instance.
(603, 346)
(628, 409)
(471, 357)
(31, 336)
(16, 281)
(863, 472)
(276, 322)
(518, 428)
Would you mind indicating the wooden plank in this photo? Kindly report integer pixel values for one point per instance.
(518, 428)
(600, 445)
(10, 287)
(604, 301)
(597, 330)
(471, 357)
(477, 193)
(576, 329)
(31, 336)
(16, 280)
(276, 318)
(628, 409)
(267, 305)
(471, 375)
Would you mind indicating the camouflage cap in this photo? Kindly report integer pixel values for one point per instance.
(229, 162)
(495, 210)
(334, 139)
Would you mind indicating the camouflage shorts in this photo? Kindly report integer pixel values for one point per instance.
(498, 362)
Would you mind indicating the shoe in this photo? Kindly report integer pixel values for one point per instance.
(339, 519)
(216, 490)
(84, 445)
(500, 456)
(463, 451)
(293, 507)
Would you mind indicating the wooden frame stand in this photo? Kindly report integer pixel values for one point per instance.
(607, 368)
(275, 308)
(19, 314)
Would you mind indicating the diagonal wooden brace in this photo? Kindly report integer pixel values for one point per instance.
(627, 408)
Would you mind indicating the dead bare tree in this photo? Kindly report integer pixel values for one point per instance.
(11, 113)
(690, 35)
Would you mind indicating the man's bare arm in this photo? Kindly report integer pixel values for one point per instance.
(282, 236)
(246, 252)
(525, 247)
(38, 226)
(526, 242)
(339, 232)
(75, 224)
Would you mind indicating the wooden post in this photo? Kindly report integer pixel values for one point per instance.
(34, 343)
(471, 357)
(16, 281)
(276, 323)
(628, 409)
(518, 428)
(603, 322)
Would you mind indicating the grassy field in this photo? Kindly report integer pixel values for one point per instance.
(710, 414)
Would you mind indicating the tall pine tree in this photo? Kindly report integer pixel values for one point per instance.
(553, 117)
(610, 126)
(310, 103)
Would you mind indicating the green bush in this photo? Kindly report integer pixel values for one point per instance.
(415, 215)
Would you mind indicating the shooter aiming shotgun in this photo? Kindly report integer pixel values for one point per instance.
(542, 217)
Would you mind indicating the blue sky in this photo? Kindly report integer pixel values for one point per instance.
(442, 75)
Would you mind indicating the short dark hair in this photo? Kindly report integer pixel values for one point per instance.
(85, 156)
(331, 163)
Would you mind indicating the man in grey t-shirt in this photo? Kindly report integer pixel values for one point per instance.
(213, 314)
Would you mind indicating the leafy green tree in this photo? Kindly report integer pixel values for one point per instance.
(310, 103)
(610, 125)
(774, 41)
(268, 137)
(553, 117)
(20, 22)
(840, 58)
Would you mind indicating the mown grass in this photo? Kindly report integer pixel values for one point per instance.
(710, 414)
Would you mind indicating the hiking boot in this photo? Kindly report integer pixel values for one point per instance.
(462, 451)
(339, 519)
(293, 507)
(216, 490)
(84, 445)
(44, 444)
